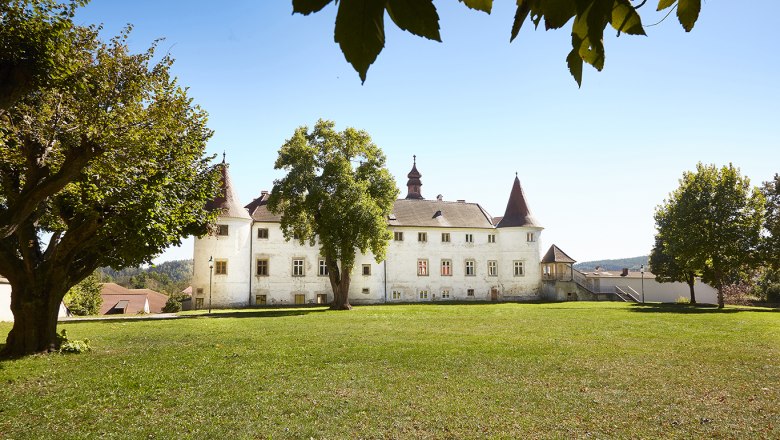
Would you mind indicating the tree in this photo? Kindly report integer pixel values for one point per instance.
(84, 298)
(106, 169)
(37, 46)
(662, 263)
(771, 244)
(360, 30)
(338, 193)
(711, 225)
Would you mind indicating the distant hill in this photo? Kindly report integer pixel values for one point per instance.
(633, 263)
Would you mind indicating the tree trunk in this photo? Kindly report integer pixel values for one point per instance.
(691, 280)
(339, 282)
(35, 320)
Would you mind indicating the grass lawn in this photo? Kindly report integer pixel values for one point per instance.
(410, 371)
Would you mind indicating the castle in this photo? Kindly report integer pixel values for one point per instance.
(440, 251)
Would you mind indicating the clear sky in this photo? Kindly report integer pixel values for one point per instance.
(594, 162)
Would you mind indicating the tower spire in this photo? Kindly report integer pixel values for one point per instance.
(517, 212)
(413, 184)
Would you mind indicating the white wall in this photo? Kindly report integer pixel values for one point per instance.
(280, 287)
(5, 301)
(661, 292)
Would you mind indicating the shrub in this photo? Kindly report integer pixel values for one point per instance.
(173, 305)
(75, 346)
(683, 300)
(84, 298)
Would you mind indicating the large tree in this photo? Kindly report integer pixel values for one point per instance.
(338, 193)
(716, 219)
(771, 245)
(360, 29)
(666, 266)
(105, 169)
(37, 46)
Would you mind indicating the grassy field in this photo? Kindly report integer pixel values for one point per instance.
(413, 371)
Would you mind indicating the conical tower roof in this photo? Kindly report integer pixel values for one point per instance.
(226, 201)
(517, 212)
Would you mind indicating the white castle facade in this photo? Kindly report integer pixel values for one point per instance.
(440, 251)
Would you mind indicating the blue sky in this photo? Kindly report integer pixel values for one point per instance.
(594, 161)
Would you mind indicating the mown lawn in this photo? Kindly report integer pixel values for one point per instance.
(412, 371)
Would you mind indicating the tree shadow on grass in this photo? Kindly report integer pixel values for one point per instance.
(275, 312)
(695, 308)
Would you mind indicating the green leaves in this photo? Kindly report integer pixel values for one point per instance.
(688, 13)
(416, 16)
(360, 32)
(360, 26)
(307, 7)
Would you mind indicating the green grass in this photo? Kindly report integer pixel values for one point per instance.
(413, 371)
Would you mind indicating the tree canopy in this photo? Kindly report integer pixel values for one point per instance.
(667, 266)
(104, 169)
(337, 193)
(771, 248)
(711, 224)
(360, 28)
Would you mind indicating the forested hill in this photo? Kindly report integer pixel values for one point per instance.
(633, 263)
(170, 277)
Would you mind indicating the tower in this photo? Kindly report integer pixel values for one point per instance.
(225, 249)
(414, 184)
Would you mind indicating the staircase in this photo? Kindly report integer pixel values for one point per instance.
(627, 294)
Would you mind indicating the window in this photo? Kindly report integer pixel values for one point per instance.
(398, 236)
(423, 294)
(446, 268)
(365, 291)
(469, 238)
(445, 237)
(530, 237)
(469, 292)
(422, 268)
(396, 294)
(322, 298)
(260, 300)
(322, 268)
(199, 291)
(297, 267)
(198, 303)
(492, 268)
(491, 238)
(220, 267)
(300, 298)
(222, 230)
(422, 236)
(470, 268)
(366, 269)
(519, 270)
(262, 233)
(445, 294)
(262, 267)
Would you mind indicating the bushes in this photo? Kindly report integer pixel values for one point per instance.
(84, 298)
(767, 287)
(173, 305)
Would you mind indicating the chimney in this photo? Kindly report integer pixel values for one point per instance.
(625, 272)
(264, 193)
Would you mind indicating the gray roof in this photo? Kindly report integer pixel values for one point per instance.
(556, 255)
(258, 210)
(438, 213)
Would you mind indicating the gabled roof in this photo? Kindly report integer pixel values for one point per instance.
(258, 210)
(132, 300)
(438, 213)
(556, 255)
(227, 202)
(517, 212)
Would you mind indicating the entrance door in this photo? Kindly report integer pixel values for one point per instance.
(493, 294)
